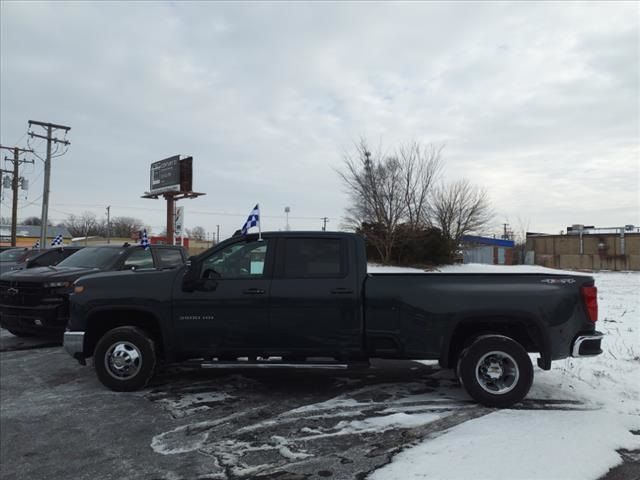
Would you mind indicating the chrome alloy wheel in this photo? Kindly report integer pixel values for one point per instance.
(123, 360)
(497, 372)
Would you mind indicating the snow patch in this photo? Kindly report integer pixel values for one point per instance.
(376, 424)
(512, 444)
(188, 404)
(475, 268)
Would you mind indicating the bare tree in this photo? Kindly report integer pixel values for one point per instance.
(35, 221)
(389, 190)
(32, 221)
(520, 239)
(126, 227)
(378, 200)
(460, 208)
(82, 225)
(421, 168)
(197, 233)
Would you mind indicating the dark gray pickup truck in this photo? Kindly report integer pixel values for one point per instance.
(288, 298)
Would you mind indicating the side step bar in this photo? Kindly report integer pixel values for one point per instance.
(287, 365)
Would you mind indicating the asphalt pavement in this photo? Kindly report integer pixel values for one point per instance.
(58, 421)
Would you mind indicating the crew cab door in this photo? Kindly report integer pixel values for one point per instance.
(315, 308)
(230, 312)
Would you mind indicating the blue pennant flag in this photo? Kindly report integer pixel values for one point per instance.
(144, 240)
(57, 242)
(253, 221)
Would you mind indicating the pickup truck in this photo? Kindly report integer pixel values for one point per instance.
(34, 302)
(286, 298)
(21, 258)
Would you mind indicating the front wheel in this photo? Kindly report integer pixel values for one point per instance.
(495, 371)
(125, 359)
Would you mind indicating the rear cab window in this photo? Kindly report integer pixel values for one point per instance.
(139, 258)
(314, 258)
(169, 257)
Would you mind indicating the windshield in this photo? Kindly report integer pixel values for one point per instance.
(12, 255)
(92, 257)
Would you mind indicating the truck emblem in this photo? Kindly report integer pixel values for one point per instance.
(12, 291)
(562, 281)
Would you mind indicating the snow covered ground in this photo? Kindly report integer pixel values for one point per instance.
(473, 268)
(551, 444)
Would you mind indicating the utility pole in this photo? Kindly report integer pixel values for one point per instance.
(108, 223)
(286, 212)
(50, 127)
(324, 223)
(14, 186)
(217, 234)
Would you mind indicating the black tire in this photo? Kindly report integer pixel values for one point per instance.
(496, 371)
(125, 359)
(20, 334)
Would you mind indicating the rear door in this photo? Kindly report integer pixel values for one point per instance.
(314, 303)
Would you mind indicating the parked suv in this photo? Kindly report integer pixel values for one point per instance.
(35, 301)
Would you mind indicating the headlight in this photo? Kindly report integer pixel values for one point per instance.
(56, 284)
(78, 289)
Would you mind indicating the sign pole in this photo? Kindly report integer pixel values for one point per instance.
(170, 217)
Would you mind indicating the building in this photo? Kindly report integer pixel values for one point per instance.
(28, 235)
(487, 250)
(587, 248)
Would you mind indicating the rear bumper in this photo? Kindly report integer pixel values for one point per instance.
(588, 345)
(73, 343)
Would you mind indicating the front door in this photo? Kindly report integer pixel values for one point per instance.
(231, 315)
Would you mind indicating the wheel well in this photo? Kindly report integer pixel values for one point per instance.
(526, 333)
(101, 322)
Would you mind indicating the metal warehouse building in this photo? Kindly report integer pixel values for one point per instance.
(492, 251)
(587, 248)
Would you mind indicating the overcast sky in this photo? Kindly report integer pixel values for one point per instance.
(537, 102)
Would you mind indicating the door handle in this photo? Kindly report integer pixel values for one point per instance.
(253, 291)
(341, 291)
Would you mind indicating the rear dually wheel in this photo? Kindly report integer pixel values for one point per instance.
(495, 370)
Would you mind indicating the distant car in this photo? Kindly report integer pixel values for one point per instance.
(36, 301)
(21, 258)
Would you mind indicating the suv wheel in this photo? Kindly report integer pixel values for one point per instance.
(495, 371)
(125, 359)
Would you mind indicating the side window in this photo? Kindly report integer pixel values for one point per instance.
(139, 258)
(67, 253)
(240, 260)
(313, 258)
(44, 260)
(169, 258)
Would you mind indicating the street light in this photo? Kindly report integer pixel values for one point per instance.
(286, 212)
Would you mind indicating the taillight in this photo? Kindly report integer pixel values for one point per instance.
(590, 298)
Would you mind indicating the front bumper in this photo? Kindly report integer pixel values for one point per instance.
(588, 345)
(41, 320)
(73, 343)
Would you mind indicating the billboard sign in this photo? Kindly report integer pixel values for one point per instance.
(165, 175)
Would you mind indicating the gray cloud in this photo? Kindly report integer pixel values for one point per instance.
(536, 101)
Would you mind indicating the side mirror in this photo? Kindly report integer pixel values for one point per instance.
(191, 275)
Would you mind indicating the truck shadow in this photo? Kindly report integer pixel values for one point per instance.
(11, 343)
